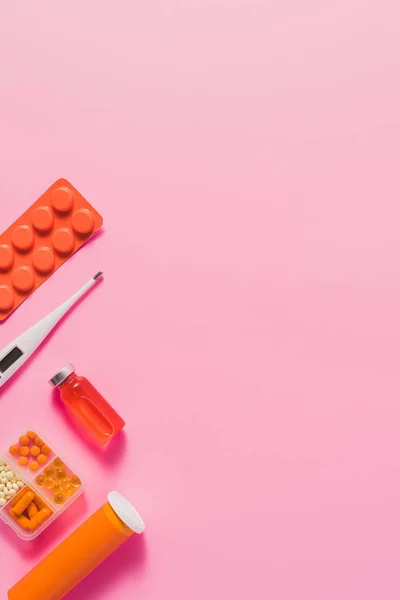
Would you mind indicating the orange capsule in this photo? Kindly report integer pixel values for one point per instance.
(38, 441)
(24, 440)
(23, 461)
(33, 465)
(40, 503)
(14, 450)
(25, 522)
(31, 435)
(35, 451)
(22, 520)
(32, 510)
(41, 516)
(23, 503)
(15, 499)
(24, 450)
(42, 459)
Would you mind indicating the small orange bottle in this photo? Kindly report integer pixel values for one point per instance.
(81, 552)
(87, 405)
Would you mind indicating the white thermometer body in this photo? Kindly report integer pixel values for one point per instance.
(13, 356)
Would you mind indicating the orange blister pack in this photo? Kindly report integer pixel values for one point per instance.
(41, 240)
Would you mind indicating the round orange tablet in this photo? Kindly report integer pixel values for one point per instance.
(42, 459)
(23, 461)
(35, 450)
(45, 449)
(6, 257)
(42, 219)
(83, 221)
(24, 451)
(43, 260)
(33, 465)
(6, 298)
(23, 279)
(22, 238)
(62, 199)
(38, 441)
(63, 240)
(24, 440)
(31, 435)
(14, 450)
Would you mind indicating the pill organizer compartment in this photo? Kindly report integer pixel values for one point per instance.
(53, 486)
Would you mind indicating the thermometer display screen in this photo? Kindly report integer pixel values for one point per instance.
(10, 359)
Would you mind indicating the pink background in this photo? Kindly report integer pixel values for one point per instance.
(245, 157)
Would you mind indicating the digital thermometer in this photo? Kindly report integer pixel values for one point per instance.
(13, 356)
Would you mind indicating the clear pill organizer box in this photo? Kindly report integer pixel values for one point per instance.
(36, 485)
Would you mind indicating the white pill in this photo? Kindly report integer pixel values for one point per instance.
(3, 480)
(2, 494)
(7, 468)
(20, 483)
(14, 486)
(2, 501)
(10, 475)
(12, 492)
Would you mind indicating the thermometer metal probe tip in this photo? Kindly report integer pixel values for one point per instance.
(99, 274)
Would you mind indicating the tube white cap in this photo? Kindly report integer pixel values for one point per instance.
(126, 512)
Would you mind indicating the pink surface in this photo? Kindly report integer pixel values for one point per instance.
(244, 156)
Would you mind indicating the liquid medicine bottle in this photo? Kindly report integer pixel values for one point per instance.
(87, 405)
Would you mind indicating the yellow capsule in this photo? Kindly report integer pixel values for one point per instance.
(49, 482)
(56, 487)
(49, 471)
(59, 499)
(40, 479)
(65, 483)
(75, 481)
(69, 491)
(60, 473)
(57, 462)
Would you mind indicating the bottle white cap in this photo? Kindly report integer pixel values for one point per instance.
(126, 512)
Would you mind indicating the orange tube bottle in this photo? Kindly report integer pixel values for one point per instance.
(80, 553)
